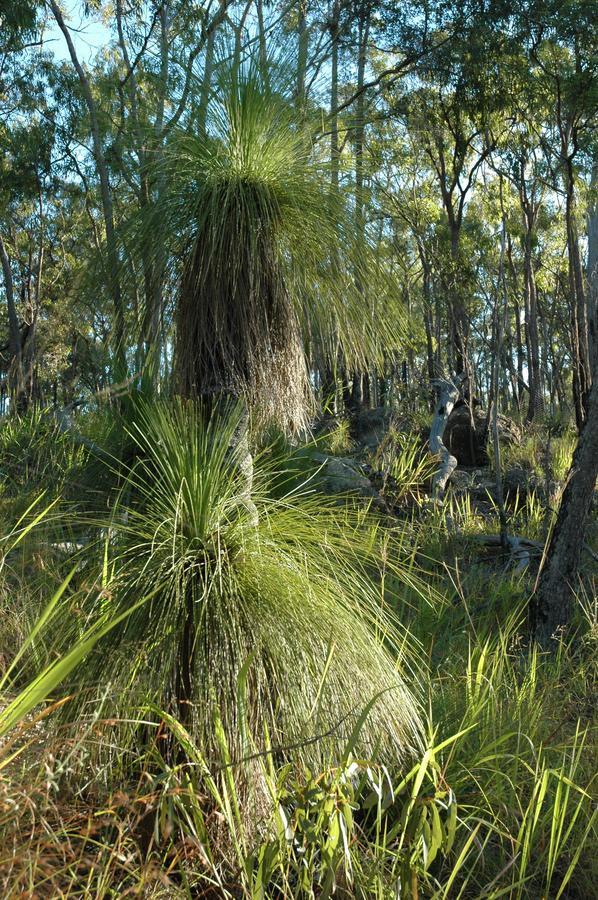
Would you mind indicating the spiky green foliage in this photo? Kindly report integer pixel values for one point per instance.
(293, 604)
(267, 257)
(36, 454)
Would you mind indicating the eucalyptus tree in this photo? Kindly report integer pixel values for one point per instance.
(458, 135)
(26, 143)
(560, 40)
(522, 162)
(148, 90)
(374, 45)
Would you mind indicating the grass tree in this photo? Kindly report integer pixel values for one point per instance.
(279, 627)
(265, 254)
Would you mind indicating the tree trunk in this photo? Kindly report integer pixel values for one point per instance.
(531, 306)
(105, 194)
(519, 337)
(21, 339)
(302, 52)
(448, 393)
(334, 145)
(264, 67)
(592, 273)
(459, 325)
(551, 606)
(361, 396)
(580, 344)
(500, 317)
(206, 82)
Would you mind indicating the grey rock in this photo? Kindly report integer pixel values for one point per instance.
(343, 475)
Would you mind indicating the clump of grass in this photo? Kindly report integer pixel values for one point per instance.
(499, 801)
(563, 447)
(542, 453)
(406, 464)
(35, 454)
(521, 770)
(336, 439)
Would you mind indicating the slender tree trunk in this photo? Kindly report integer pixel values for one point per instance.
(334, 144)
(531, 307)
(206, 82)
(105, 194)
(500, 318)
(29, 344)
(361, 394)
(262, 44)
(302, 53)
(519, 336)
(15, 366)
(239, 29)
(459, 326)
(580, 343)
(592, 273)
(334, 26)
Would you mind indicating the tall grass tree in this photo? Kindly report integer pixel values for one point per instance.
(263, 252)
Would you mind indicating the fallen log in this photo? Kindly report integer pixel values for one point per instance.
(520, 550)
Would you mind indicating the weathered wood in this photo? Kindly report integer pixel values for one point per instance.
(520, 550)
(448, 393)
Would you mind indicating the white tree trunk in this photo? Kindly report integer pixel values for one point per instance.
(448, 395)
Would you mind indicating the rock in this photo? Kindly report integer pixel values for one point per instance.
(469, 445)
(343, 475)
(519, 483)
(479, 484)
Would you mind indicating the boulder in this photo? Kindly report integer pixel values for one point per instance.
(343, 475)
(469, 445)
(479, 484)
(520, 482)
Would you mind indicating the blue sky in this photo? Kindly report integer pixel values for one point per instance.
(89, 32)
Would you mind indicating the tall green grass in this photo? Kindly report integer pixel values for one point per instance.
(245, 787)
